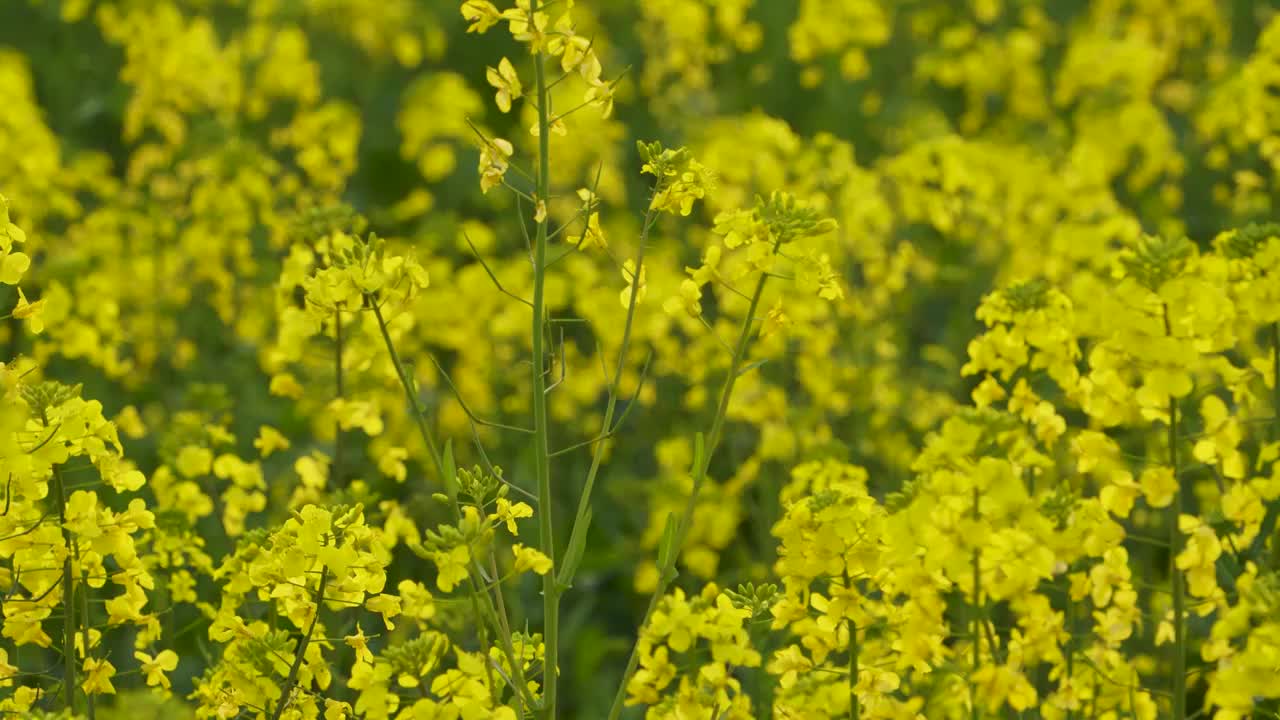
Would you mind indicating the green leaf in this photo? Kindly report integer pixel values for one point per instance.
(573, 554)
(450, 471)
(665, 561)
(752, 366)
(699, 450)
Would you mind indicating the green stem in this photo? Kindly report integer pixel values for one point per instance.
(855, 709)
(975, 711)
(84, 631)
(437, 460)
(483, 632)
(516, 660)
(606, 426)
(1071, 642)
(340, 393)
(542, 460)
(1175, 577)
(409, 391)
(1175, 549)
(292, 679)
(665, 573)
(1275, 381)
(68, 598)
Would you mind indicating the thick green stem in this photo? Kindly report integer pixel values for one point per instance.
(666, 573)
(855, 709)
(292, 679)
(1071, 642)
(541, 454)
(1175, 548)
(1175, 576)
(1275, 381)
(68, 598)
(975, 708)
(340, 393)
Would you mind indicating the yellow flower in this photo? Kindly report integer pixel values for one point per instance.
(156, 667)
(1198, 559)
(270, 440)
(775, 320)
(591, 235)
(285, 385)
(689, 300)
(1159, 486)
(31, 312)
(81, 514)
(13, 266)
(601, 93)
(481, 14)
(528, 558)
(337, 710)
(388, 606)
(452, 567)
(987, 392)
(789, 663)
(97, 676)
(508, 512)
(628, 274)
(360, 644)
(505, 79)
(1118, 495)
(533, 34)
(129, 421)
(194, 461)
(495, 159)
(7, 671)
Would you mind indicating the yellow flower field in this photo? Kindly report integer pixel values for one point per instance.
(675, 359)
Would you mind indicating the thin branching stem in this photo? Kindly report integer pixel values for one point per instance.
(666, 574)
(606, 425)
(438, 462)
(410, 391)
(292, 678)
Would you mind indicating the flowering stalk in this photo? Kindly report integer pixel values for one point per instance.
(542, 460)
(666, 572)
(292, 679)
